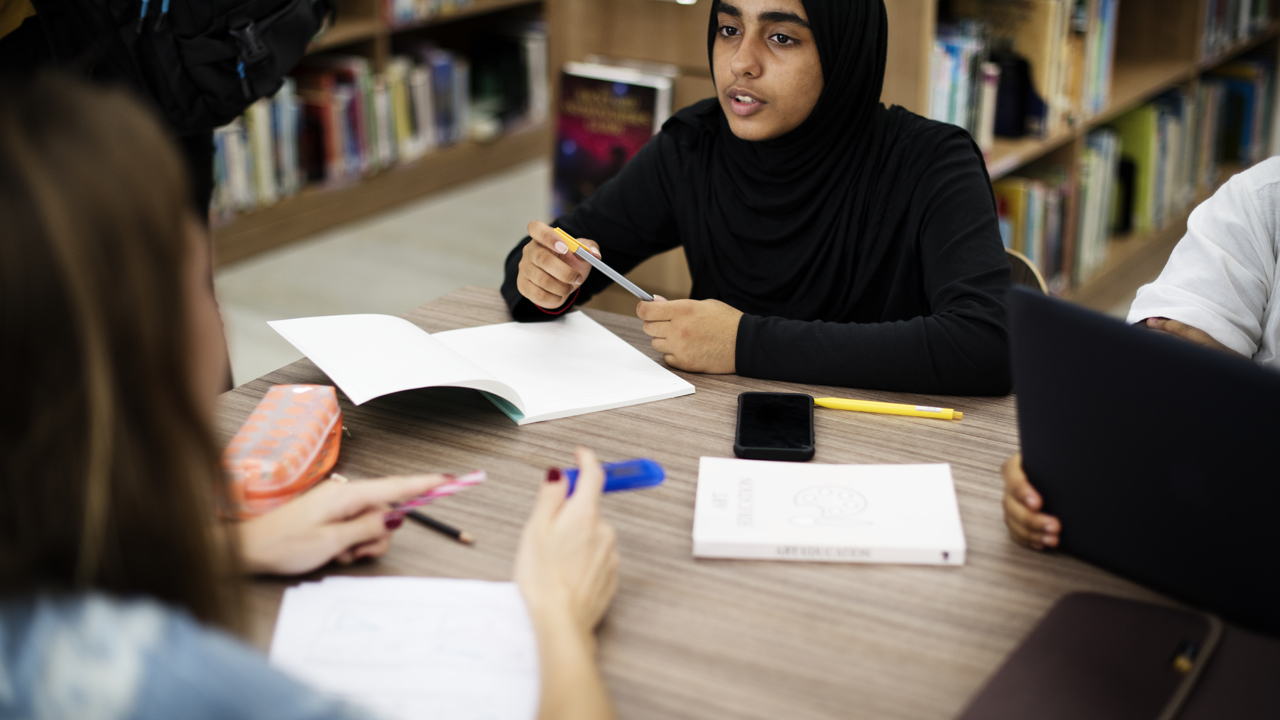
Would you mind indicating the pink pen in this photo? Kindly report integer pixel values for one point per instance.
(456, 485)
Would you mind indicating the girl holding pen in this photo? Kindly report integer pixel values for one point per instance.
(120, 590)
(830, 240)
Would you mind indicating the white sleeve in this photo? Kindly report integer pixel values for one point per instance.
(1220, 275)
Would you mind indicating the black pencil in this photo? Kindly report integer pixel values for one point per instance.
(441, 528)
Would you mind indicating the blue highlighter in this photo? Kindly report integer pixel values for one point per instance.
(625, 475)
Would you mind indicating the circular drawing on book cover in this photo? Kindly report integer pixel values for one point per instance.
(835, 505)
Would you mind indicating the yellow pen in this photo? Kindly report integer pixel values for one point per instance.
(873, 406)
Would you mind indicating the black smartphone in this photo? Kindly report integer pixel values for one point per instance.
(774, 426)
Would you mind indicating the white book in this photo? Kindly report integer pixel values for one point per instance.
(943, 66)
(264, 151)
(238, 173)
(461, 99)
(405, 144)
(382, 122)
(985, 136)
(411, 647)
(531, 371)
(222, 203)
(424, 110)
(756, 509)
(286, 131)
(535, 58)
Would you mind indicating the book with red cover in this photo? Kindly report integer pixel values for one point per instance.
(353, 72)
(319, 147)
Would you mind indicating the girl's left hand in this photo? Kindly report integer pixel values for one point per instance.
(693, 335)
(1022, 505)
(343, 521)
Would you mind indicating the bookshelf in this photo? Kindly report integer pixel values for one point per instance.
(361, 29)
(1158, 48)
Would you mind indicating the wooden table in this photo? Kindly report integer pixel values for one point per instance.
(690, 638)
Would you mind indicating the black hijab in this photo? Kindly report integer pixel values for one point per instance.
(802, 222)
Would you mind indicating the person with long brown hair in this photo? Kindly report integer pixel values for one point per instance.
(119, 585)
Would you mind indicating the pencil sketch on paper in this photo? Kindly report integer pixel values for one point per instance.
(834, 505)
(408, 648)
(391, 634)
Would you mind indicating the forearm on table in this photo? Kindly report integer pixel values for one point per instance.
(949, 354)
(572, 688)
(1219, 277)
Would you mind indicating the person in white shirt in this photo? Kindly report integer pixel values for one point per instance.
(1217, 287)
(1216, 290)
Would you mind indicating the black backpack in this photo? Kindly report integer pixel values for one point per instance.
(201, 62)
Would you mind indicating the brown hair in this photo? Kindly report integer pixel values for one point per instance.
(109, 475)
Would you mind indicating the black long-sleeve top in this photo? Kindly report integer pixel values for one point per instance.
(929, 318)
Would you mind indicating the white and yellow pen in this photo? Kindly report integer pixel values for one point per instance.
(873, 406)
(581, 251)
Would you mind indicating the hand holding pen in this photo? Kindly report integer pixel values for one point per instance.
(549, 273)
(454, 485)
(335, 520)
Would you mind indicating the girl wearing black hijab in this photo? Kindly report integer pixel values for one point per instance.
(830, 240)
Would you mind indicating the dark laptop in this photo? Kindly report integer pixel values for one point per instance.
(1162, 458)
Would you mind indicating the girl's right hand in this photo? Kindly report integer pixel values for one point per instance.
(335, 520)
(549, 273)
(567, 564)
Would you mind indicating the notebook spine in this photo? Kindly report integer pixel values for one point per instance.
(830, 553)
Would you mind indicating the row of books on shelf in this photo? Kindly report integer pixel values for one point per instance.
(255, 158)
(1033, 211)
(408, 12)
(1141, 172)
(1230, 21)
(336, 120)
(963, 85)
(1001, 73)
(1100, 164)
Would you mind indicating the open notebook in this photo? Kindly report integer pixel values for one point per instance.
(531, 371)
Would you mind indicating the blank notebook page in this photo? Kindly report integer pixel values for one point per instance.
(372, 355)
(569, 366)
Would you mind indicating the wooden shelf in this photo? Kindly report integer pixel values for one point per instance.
(345, 32)
(1008, 155)
(475, 7)
(318, 208)
(1134, 83)
(349, 30)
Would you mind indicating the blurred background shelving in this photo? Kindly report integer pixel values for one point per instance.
(1158, 52)
(364, 29)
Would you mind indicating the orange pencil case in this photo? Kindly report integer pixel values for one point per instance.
(289, 443)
